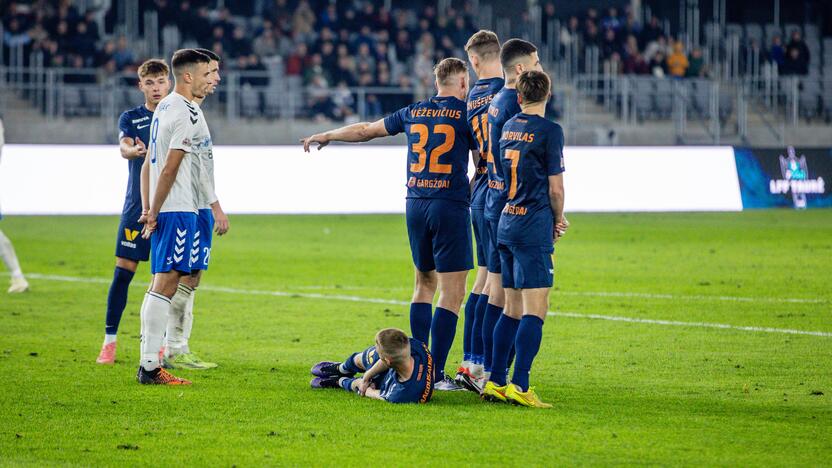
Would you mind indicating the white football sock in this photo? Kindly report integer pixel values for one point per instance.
(155, 310)
(188, 322)
(175, 336)
(9, 257)
(109, 339)
(476, 370)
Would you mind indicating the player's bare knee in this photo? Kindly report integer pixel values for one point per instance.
(127, 264)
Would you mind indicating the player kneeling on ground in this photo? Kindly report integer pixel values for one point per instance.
(397, 369)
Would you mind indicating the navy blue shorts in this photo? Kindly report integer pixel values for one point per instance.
(527, 266)
(440, 234)
(171, 242)
(478, 220)
(492, 255)
(129, 241)
(201, 247)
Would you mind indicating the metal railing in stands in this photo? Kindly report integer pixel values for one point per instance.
(696, 107)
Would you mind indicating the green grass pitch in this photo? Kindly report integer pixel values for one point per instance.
(625, 392)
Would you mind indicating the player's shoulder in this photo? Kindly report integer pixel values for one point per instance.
(133, 113)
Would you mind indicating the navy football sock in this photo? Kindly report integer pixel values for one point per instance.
(117, 299)
(442, 330)
(470, 307)
(529, 334)
(492, 314)
(504, 335)
(346, 383)
(349, 365)
(476, 333)
(420, 318)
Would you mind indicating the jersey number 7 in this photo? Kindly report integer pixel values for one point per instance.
(514, 156)
(419, 148)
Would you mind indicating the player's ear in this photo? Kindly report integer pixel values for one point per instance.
(519, 99)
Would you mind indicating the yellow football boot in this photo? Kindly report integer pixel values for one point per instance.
(494, 393)
(514, 396)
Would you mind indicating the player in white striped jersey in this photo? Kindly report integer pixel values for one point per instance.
(211, 218)
(171, 219)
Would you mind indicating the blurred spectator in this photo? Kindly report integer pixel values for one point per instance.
(698, 68)
(655, 47)
(634, 62)
(265, 45)
(776, 51)
(297, 61)
(658, 65)
(796, 42)
(794, 63)
(677, 62)
(610, 45)
(571, 34)
(650, 32)
(123, 54)
(612, 21)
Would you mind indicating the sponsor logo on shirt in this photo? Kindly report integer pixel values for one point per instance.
(515, 210)
(428, 183)
(135, 121)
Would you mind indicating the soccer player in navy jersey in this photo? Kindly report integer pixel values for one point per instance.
(516, 56)
(438, 198)
(131, 248)
(531, 157)
(483, 49)
(397, 369)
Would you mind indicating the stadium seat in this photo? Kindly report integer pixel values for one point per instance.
(754, 31)
(733, 29)
(771, 31)
(789, 28)
(71, 100)
(91, 99)
(249, 101)
(643, 89)
(664, 97)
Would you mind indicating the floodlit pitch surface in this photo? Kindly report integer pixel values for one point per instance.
(694, 355)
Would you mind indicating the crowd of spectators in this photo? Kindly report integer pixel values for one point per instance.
(627, 47)
(329, 47)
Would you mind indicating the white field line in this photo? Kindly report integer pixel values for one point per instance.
(370, 300)
(637, 295)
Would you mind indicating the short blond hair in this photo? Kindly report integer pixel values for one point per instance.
(448, 68)
(393, 344)
(153, 67)
(484, 44)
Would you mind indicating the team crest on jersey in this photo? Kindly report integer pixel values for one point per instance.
(186, 142)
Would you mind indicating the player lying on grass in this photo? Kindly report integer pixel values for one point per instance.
(438, 199)
(531, 155)
(397, 369)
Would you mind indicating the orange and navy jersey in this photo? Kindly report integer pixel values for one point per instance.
(531, 150)
(419, 387)
(503, 107)
(479, 99)
(439, 143)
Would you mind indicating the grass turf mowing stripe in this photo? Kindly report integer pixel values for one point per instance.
(371, 300)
